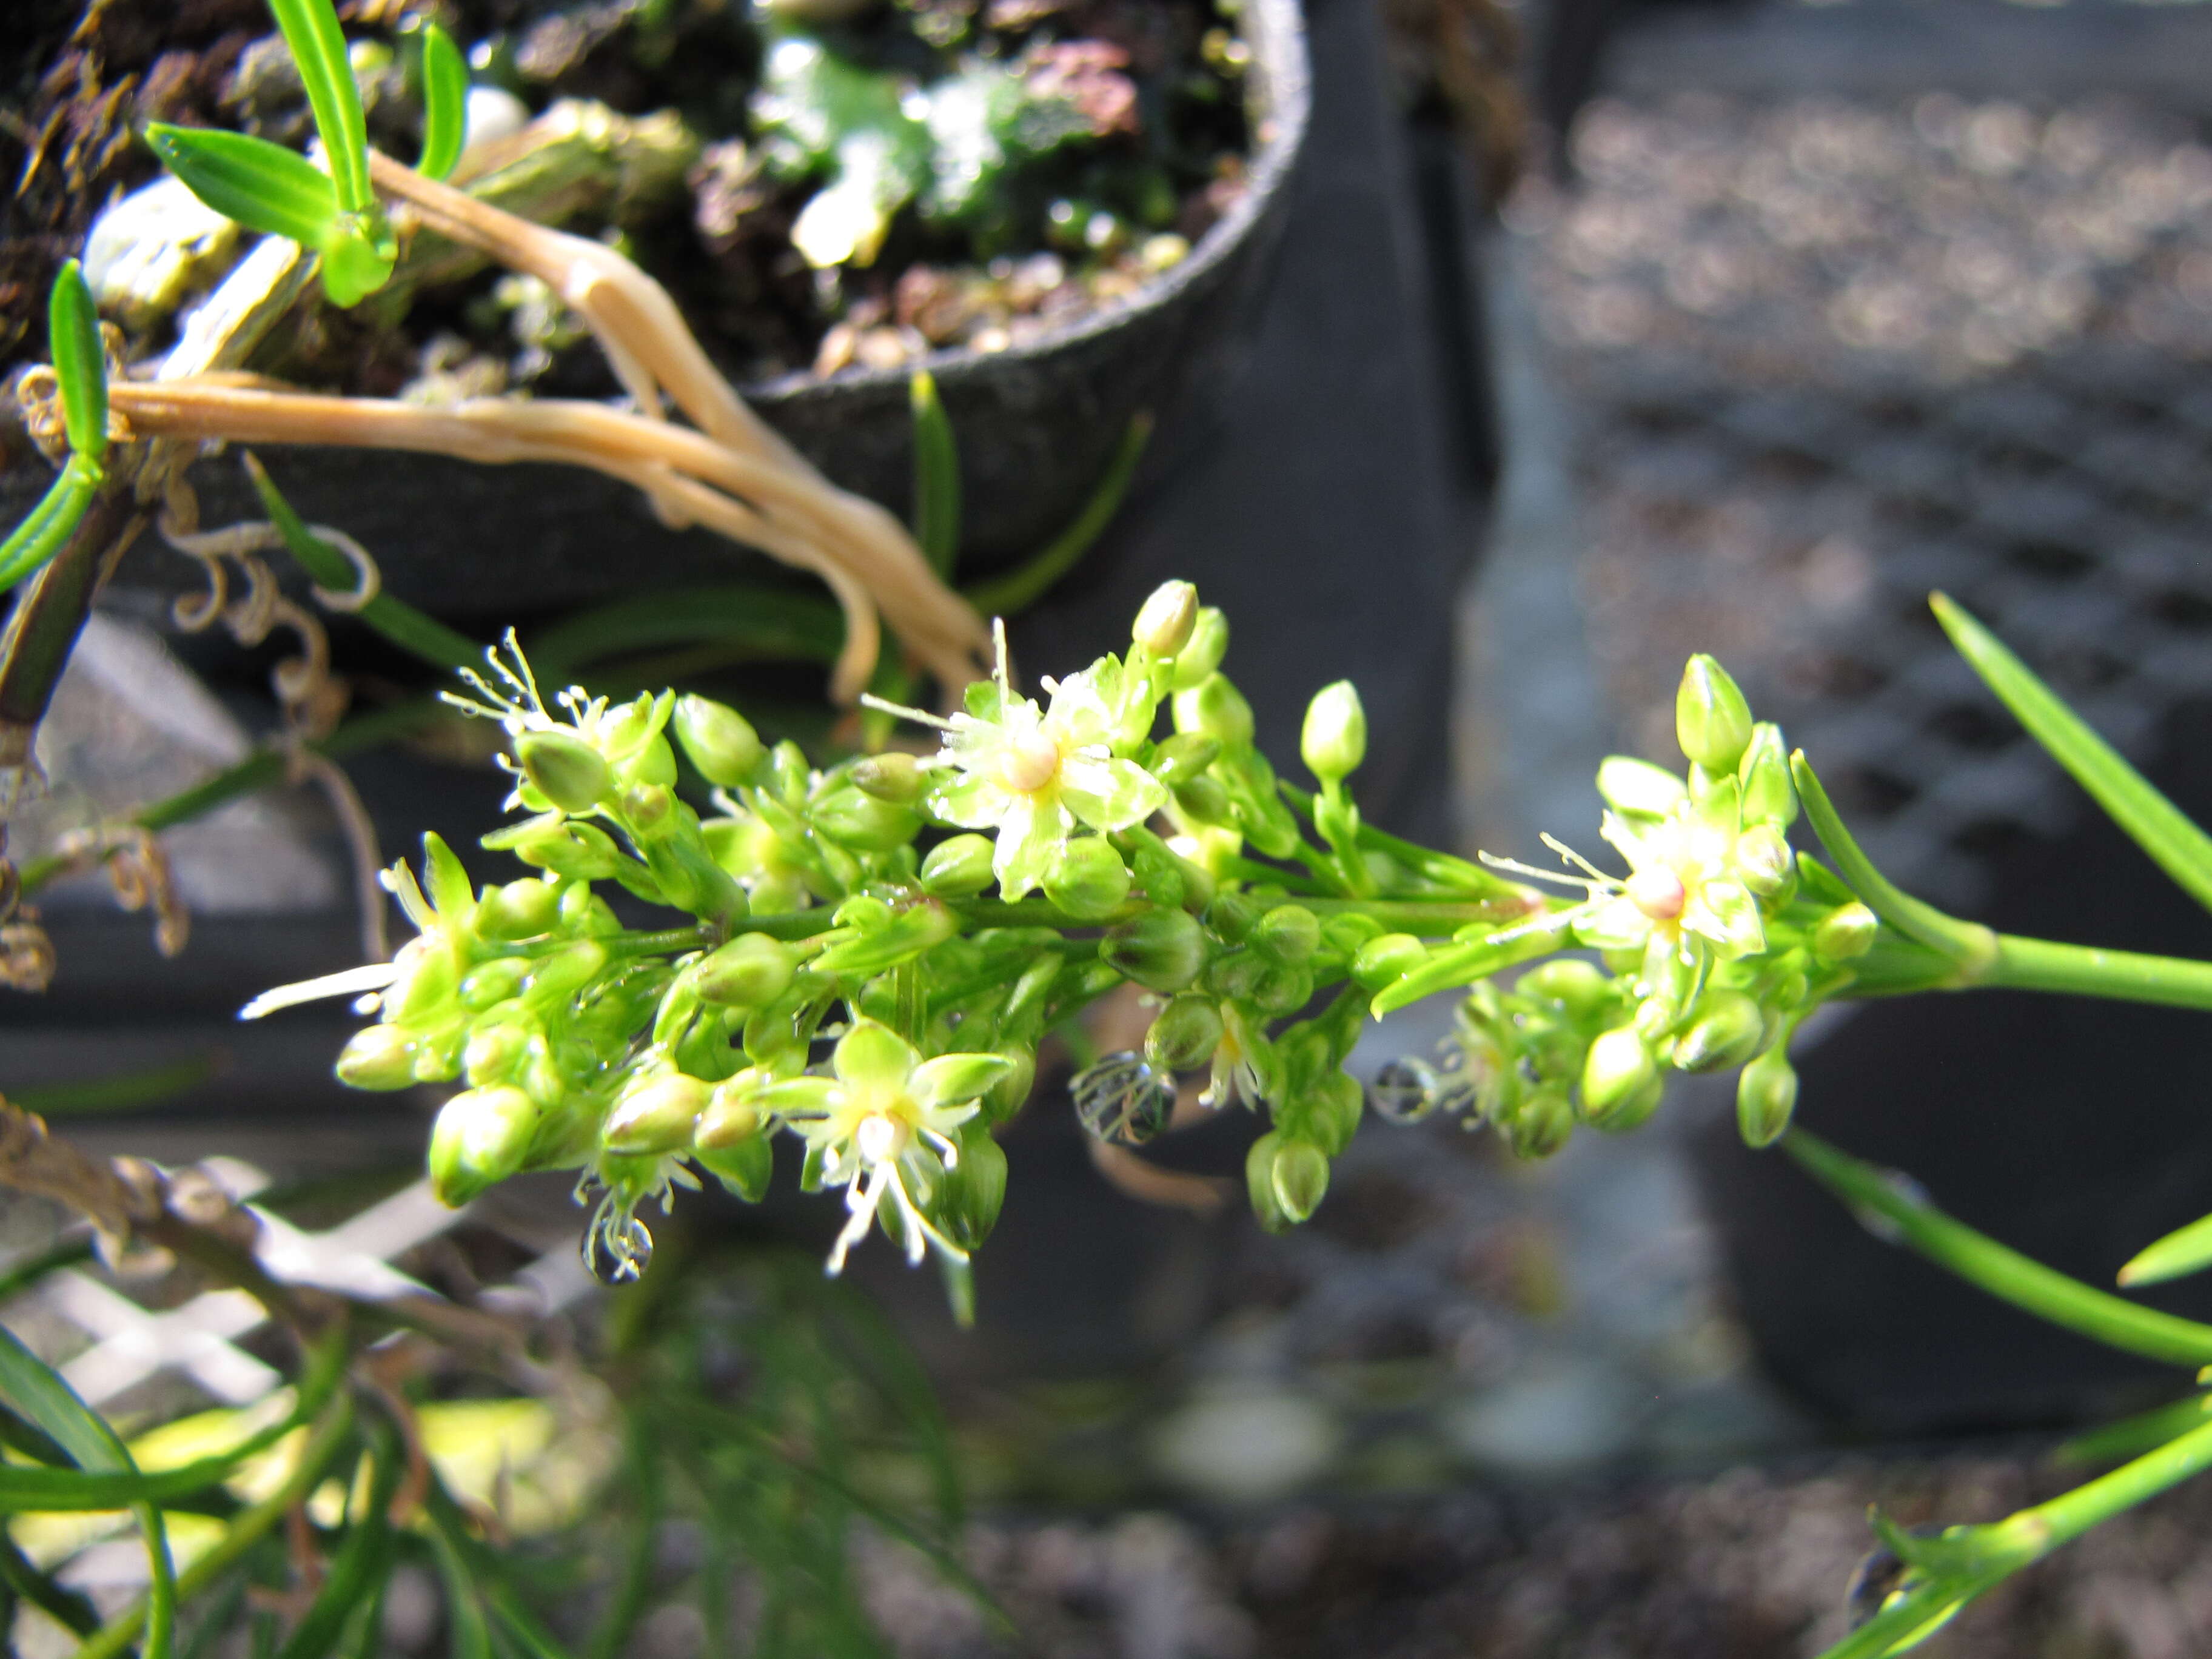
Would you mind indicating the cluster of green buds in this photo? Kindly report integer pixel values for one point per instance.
(1716, 944)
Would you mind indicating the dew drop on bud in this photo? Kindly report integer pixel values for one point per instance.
(1405, 1090)
(1123, 1100)
(616, 1247)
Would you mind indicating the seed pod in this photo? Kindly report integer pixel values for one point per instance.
(974, 1188)
(1386, 960)
(1769, 796)
(718, 740)
(1616, 1073)
(1764, 862)
(1334, 740)
(520, 909)
(1300, 1178)
(377, 1057)
(1259, 1183)
(1542, 1123)
(1766, 1096)
(1166, 621)
(1845, 932)
(1163, 950)
(1712, 721)
(479, 1139)
(1727, 1032)
(894, 775)
(958, 868)
(656, 1115)
(1203, 652)
(751, 972)
(1184, 1035)
(1088, 880)
(1289, 932)
(566, 770)
(1216, 709)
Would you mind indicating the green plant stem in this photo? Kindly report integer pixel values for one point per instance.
(632, 1590)
(1425, 860)
(1477, 959)
(2036, 964)
(324, 1444)
(2004, 1272)
(1024, 586)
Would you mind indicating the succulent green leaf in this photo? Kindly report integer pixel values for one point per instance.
(35, 1391)
(264, 186)
(80, 364)
(318, 45)
(445, 103)
(359, 257)
(936, 475)
(2157, 825)
(2185, 1250)
(49, 525)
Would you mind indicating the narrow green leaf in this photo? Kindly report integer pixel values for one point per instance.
(2178, 847)
(123, 1091)
(2184, 1251)
(1973, 946)
(64, 1607)
(1024, 586)
(2001, 1272)
(47, 529)
(319, 49)
(397, 620)
(363, 1560)
(936, 476)
(2132, 1437)
(464, 1609)
(35, 1389)
(445, 103)
(263, 186)
(80, 364)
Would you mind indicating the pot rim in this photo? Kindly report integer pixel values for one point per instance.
(1279, 104)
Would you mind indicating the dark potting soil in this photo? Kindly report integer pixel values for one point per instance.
(1146, 150)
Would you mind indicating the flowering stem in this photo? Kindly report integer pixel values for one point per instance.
(1437, 867)
(2039, 964)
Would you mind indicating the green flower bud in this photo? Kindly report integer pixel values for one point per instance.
(744, 1167)
(561, 974)
(656, 1115)
(1334, 1109)
(958, 868)
(521, 909)
(729, 1117)
(1636, 789)
(1727, 1032)
(1580, 989)
(427, 982)
(581, 852)
(1088, 880)
(1203, 652)
(1282, 988)
(565, 770)
(1216, 709)
(1011, 1091)
(649, 812)
(1769, 796)
(1289, 932)
(751, 972)
(894, 775)
(583, 911)
(1712, 721)
(1766, 1096)
(1184, 1035)
(494, 1052)
(1235, 976)
(865, 823)
(1345, 933)
(1203, 800)
(1231, 916)
(974, 1188)
(1183, 757)
(490, 983)
(1333, 741)
(1764, 862)
(654, 762)
(1299, 1178)
(1166, 621)
(1163, 950)
(718, 740)
(1618, 1072)
(479, 1139)
(1259, 1183)
(1542, 1123)
(1386, 960)
(377, 1057)
(1844, 933)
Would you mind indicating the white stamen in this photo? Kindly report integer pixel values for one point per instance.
(374, 977)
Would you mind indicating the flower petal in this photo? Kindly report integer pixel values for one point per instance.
(1032, 835)
(1724, 913)
(872, 1056)
(974, 800)
(1110, 794)
(953, 1078)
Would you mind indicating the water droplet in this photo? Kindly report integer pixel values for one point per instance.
(1405, 1090)
(1122, 1099)
(616, 1247)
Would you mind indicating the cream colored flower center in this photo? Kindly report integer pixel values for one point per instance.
(1029, 763)
(1658, 892)
(880, 1138)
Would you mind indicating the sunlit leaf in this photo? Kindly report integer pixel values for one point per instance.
(263, 186)
(318, 45)
(80, 364)
(445, 103)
